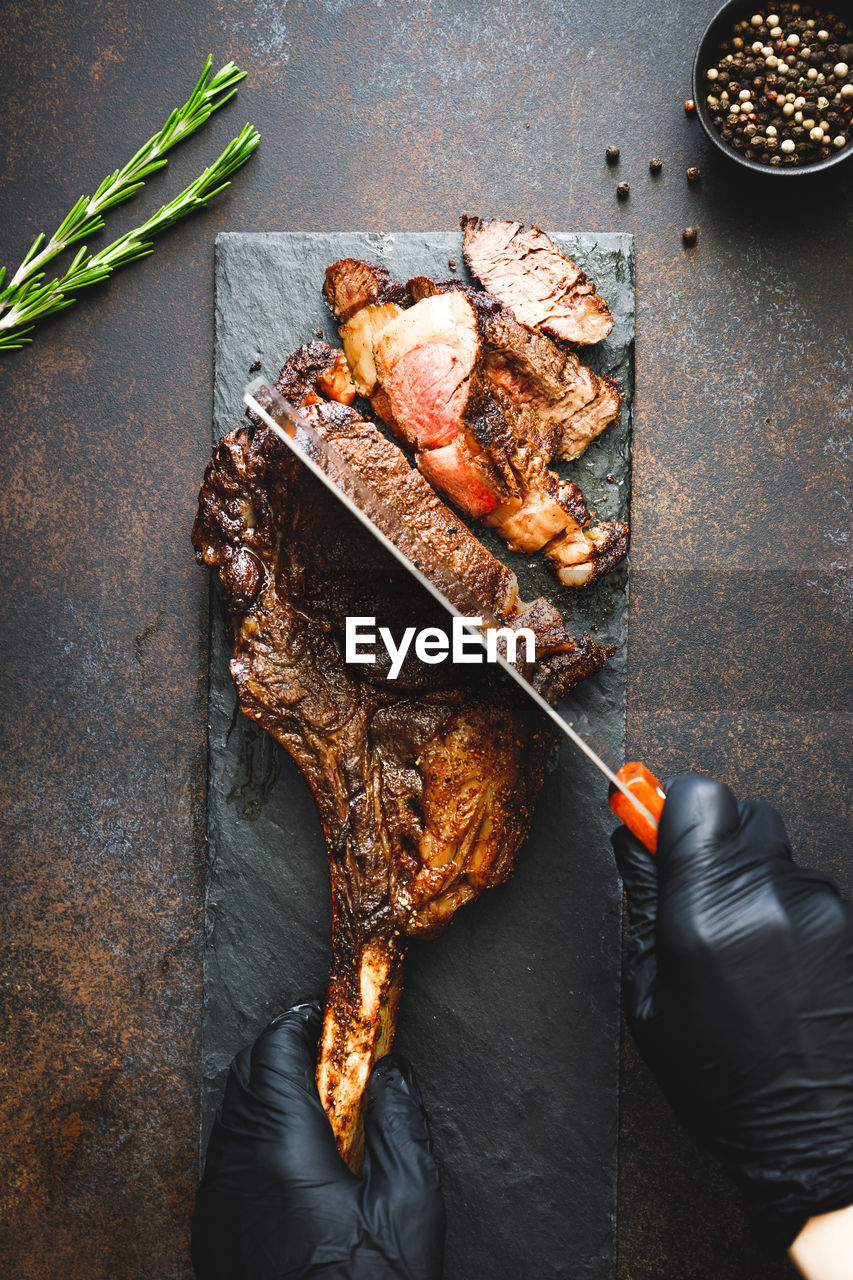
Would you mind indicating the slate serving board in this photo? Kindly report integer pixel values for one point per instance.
(511, 1018)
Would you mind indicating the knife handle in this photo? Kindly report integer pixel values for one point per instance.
(645, 786)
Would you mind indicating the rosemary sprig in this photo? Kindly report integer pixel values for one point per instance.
(85, 218)
(38, 300)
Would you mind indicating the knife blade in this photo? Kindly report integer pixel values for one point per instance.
(425, 564)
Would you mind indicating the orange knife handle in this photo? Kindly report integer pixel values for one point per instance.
(649, 792)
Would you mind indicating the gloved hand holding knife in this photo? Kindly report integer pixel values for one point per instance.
(738, 986)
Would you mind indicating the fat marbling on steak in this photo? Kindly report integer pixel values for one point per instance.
(524, 269)
(425, 785)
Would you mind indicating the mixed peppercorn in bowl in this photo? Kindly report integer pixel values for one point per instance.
(773, 86)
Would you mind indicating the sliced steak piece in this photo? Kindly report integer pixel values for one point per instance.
(428, 362)
(351, 284)
(525, 270)
(551, 399)
(581, 556)
(357, 336)
(382, 465)
(363, 298)
(465, 385)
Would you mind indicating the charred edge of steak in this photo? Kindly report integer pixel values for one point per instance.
(315, 370)
(557, 675)
(420, 287)
(581, 558)
(351, 284)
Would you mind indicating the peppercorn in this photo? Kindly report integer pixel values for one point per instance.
(759, 62)
(690, 106)
(689, 235)
(623, 190)
(451, 262)
(693, 173)
(655, 164)
(612, 154)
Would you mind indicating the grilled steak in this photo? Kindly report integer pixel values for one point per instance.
(552, 400)
(425, 786)
(477, 395)
(529, 274)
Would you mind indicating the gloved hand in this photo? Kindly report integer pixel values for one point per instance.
(739, 992)
(277, 1202)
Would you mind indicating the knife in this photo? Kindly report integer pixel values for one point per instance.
(635, 795)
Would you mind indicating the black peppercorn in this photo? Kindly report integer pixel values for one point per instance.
(623, 190)
(656, 165)
(690, 106)
(689, 235)
(612, 154)
(693, 174)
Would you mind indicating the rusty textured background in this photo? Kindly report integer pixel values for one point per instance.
(373, 115)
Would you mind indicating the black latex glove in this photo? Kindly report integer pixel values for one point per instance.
(739, 992)
(277, 1202)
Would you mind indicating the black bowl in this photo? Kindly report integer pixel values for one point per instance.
(720, 27)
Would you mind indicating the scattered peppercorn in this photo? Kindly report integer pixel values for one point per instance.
(254, 366)
(655, 164)
(690, 106)
(689, 235)
(781, 89)
(611, 479)
(612, 154)
(451, 262)
(693, 173)
(623, 190)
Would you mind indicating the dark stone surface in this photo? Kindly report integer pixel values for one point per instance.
(522, 990)
(374, 115)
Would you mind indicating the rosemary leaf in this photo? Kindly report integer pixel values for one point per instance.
(35, 300)
(84, 218)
